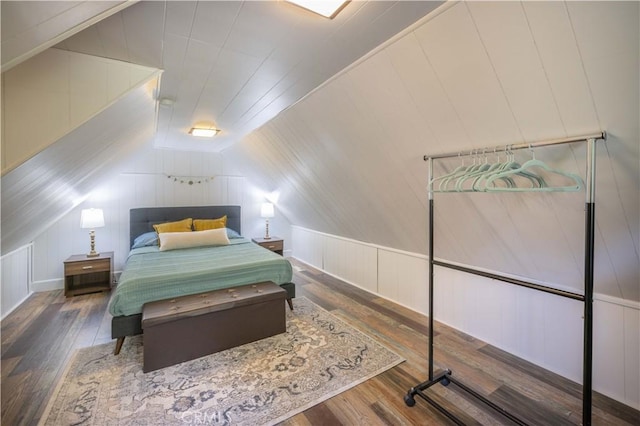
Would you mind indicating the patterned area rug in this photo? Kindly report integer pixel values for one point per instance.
(260, 383)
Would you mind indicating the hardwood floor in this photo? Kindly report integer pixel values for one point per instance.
(41, 335)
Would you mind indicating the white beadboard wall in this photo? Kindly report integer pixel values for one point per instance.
(539, 327)
(146, 184)
(16, 279)
(348, 154)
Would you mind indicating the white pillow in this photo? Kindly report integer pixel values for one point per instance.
(180, 240)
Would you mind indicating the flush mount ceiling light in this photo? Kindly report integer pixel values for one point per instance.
(203, 132)
(326, 8)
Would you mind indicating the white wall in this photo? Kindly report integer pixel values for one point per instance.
(145, 183)
(539, 327)
(348, 158)
(16, 279)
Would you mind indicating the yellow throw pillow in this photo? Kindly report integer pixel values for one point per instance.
(206, 224)
(183, 225)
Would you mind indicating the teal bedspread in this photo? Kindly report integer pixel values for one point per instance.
(150, 274)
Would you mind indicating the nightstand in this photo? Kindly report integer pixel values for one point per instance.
(275, 244)
(84, 274)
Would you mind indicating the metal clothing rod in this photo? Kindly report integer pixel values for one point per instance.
(444, 378)
(509, 280)
(589, 259)
(525, 145)
(431, 221)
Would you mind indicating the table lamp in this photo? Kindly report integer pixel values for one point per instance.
(266, 211)
(90, 219)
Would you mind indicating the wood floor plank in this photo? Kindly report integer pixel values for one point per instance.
(386, 416)
(546, 376)
(93, 313)
(351, 409)
(14, 324)
(14, 393)
(23, 343)
(563, 384)
(8, 365)
(525, 407)
(321, 415)
(610, 410)
(297, 420)
(39, 338)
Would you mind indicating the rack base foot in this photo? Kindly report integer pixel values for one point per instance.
(442, 378)
(409, 400)
(445, 378)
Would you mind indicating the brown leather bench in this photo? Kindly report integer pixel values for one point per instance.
(189, 327)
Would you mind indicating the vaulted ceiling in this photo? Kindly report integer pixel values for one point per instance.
(342, 137)
(236, 64)
(231, 64)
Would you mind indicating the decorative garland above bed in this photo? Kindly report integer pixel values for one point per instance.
(191, 180)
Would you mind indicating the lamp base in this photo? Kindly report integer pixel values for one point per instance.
(266, 231)
(92, 239)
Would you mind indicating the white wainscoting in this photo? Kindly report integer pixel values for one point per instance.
(351, 261)
(16, 279)
(539, 327)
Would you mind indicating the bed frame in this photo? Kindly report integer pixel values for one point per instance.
(141, 220)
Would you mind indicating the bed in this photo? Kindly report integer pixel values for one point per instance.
(151, 275)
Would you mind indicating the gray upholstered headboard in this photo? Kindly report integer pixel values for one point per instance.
(141, 220)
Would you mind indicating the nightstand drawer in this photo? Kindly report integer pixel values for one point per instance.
(78, 268)
(83, 275)
(273, 245)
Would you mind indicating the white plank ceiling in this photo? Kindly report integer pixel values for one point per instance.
(235, 65)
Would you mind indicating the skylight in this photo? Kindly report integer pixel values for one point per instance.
(327, 8)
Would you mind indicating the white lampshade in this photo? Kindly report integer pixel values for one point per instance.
(91, 218)
(266, 210)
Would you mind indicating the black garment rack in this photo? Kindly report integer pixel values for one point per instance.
(445, 377)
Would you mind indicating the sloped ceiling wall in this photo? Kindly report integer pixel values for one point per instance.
(30, 27)
(347, 159)
(50, 184)
(38, 107)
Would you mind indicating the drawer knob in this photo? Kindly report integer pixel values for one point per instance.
(87, 267)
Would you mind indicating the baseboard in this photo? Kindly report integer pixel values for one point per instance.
(47, 285)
